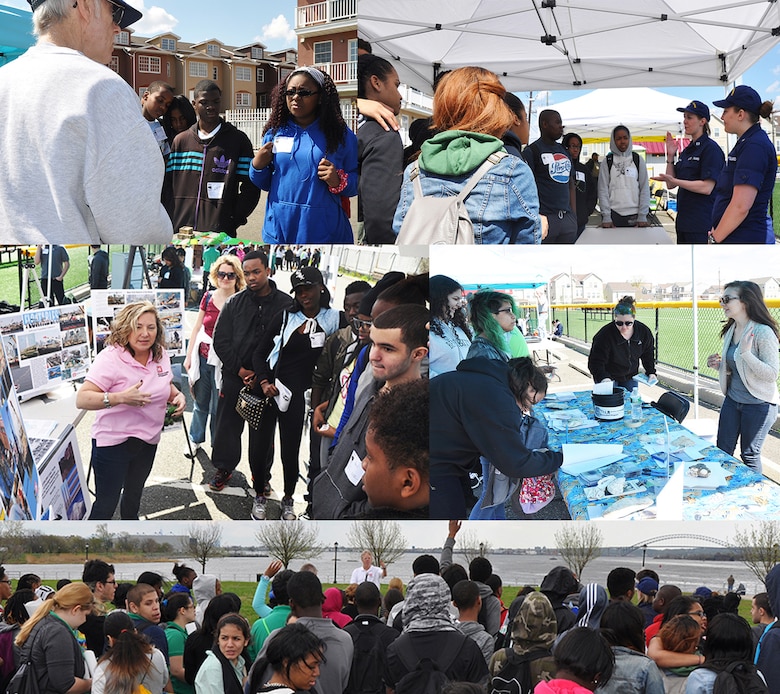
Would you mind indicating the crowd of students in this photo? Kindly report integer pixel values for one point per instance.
(447, 631)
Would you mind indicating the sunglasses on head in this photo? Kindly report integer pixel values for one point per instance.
(726, 298)
(226, 275)
(303, 93)
(621, 323)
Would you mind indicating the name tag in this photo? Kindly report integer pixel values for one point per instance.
(580, 175)
(631, 172)
(283, 144)
(354, 469)
(215, 189)
(547, 158)
(317, 340)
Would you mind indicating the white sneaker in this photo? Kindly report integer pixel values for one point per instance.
(258, 508)
(288, 512)
(192, 450)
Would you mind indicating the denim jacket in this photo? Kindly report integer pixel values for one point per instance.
(634, 673)
(503, 207)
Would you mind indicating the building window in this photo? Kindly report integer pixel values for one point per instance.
(257, 53)
(148, 63)
(198, 69)
(323, 52)
(168, 68)
(262, 101)
(352, 48)
(243, 100)
(168, 44)
(244, 74)
(261, 74)
(215, 74)
(283, 73)
(114, 64)
(123, 38)
(716, 132)
(213, 49)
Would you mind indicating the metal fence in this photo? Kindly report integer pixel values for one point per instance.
(671, 323)
(252, 121)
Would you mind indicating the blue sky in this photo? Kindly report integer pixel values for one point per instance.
(235, 22)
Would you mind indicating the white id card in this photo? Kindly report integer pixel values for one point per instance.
(580, 175)
(354, 468)
(317, 340)
(283, 144)
(547, 158)
(215, 189)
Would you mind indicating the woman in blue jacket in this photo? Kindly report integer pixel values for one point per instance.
(307, 163)
(745, 185)
(470, 114)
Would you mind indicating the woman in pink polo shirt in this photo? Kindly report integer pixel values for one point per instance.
(130, 386)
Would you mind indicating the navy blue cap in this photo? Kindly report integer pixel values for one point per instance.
(743, 97)
(697, 108)
(131, 15)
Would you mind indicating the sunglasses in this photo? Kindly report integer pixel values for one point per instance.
(725, 299)
(117, 13)
(303, 93)
(621, 323)
(226, 275)
(358, 324)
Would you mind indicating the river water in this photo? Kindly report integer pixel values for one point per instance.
(514, 569)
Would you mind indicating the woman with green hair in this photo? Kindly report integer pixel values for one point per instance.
(493, 316)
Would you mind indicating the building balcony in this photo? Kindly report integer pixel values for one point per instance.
(327, 12)
(340, 73)
(414, 99)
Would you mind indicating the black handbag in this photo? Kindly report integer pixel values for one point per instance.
(251, 407)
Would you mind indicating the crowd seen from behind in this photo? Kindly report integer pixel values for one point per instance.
(448, 630)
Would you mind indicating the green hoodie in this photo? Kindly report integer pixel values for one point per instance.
(457, 152)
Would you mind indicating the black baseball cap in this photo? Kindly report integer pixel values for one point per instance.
(131, 15)
(305, 276)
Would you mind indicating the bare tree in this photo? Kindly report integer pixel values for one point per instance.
(13, 540)
(286, 541)
(382, 538)
(759, 547)
(579, 543)
(203, 542)
(471, 546)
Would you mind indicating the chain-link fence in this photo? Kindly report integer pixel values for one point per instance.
(671, 323)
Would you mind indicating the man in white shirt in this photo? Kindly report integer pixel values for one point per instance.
(369, 572)
(73, 132)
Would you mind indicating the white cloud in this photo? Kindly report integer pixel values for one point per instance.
(18, 4)
(155, 21)
(278, 30)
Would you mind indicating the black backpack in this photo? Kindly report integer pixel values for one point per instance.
(368, 663)
(739, 678)
(611, 157)
(423, 676)
(515, 676)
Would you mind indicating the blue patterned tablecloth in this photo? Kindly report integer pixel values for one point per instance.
(747, 494)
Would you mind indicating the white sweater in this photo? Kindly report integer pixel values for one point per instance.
(80, 164)
(757, 368)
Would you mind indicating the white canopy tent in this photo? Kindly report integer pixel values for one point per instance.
(646, 112)
(573, 44)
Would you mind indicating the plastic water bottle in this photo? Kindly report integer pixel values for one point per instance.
(636, 405)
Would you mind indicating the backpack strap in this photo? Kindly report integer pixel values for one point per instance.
(488, 164)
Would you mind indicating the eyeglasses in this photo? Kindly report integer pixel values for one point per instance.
(697, 613)
(303, 93)
(726, 298)
(7, 580)
(226, 275)
(508, 309)
(358, 324)
(117, 13)
(108, 582)
(627, 323)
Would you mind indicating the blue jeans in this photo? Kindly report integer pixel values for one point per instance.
(478, 512)
(206, 398)
(751, 423)
(120, 470)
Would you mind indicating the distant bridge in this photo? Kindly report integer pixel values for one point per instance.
(680, 536)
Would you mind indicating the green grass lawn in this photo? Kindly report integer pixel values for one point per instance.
(78, 274)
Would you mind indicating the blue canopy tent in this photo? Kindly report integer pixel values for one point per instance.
(15, 33)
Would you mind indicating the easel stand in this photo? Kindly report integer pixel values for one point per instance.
(129, 267)
(29, 270)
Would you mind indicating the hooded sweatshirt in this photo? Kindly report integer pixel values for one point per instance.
(504, 204)
(556, 585)
(331, 607)
(623, 187)
(533, 629)
(204, 587)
